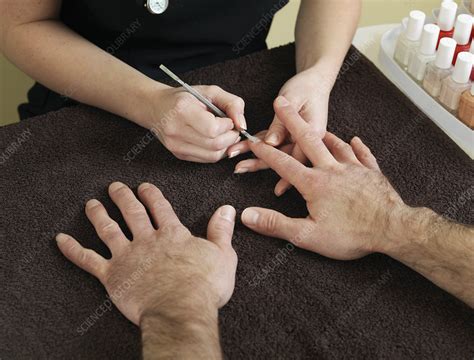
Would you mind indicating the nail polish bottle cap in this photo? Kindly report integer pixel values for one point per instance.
(445, 55)
(429, 39)
(447, 15)
(415, 25)
(462, 32)
(463, 68)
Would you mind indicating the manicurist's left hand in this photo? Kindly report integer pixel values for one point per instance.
(308, 92)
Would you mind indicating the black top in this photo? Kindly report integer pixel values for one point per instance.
(189, 34)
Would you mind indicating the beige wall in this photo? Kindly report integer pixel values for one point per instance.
(14, 84)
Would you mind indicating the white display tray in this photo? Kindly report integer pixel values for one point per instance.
(461, 134)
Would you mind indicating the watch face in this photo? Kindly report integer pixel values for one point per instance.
(157, 6)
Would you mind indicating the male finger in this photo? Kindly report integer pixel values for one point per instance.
(305, 135)
(341, 150)
(221, 226)
(364, 154)
(86, 259)
(160, 209)
(253, 165)
(243, 146)
(282, 186)
(132, 210)
(286, 166)
(107, 229)
(272, 223)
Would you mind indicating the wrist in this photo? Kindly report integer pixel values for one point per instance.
(181, 329)
(322, 75)
(148, 94)
(408, 227)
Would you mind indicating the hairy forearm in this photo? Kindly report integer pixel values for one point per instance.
(60, 59)
(440, 250)
(324, 32)
(181, 330)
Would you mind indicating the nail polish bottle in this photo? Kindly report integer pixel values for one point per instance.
(426, 53)
(466, 108)
(453, 86)
(441, 68)
(471, 50)
(462, 34)
(408, 41)
(446, 19)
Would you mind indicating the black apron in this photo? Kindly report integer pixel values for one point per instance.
(188, 35)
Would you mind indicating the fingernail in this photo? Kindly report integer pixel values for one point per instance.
(115, 186)
(143, 186)
(250, 217)
(237, 140)
(92, 203)
(233, 154)
(241, 171)
(228, 213)
(281, 101)
(272, 139)
(242, 122)
(61, 238)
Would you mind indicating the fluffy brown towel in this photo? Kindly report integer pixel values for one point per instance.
(288, 303)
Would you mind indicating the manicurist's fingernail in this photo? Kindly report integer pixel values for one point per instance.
(241, 171)
(61, 238)
(281, 101)
(242, 122)
(272, 139)
(228, 213)
(233, 154)
(250, 217)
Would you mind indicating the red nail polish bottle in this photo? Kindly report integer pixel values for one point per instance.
(446, 19)
(462, 34)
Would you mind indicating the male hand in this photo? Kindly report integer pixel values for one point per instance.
(164, 268)
(352, 206)
(189, 130)
(308, 93)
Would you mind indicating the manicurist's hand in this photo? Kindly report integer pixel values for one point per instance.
(165, 271)
(308, 93)
(351, 204)
(188, 129)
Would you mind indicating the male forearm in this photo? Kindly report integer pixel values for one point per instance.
(181, 331)
(60, 59)
(440, 250)
(324, 32)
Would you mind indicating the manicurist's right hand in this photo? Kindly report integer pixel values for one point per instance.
(352, 207)
(188, 129)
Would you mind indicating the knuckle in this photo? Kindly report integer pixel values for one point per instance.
(213, 131)
(181, 104)
(217, 144)
(270, 222)
(342, 146)
(214, 89)
(310, 136)
(108, 230)
(134, 209)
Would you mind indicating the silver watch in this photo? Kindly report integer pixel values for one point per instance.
(156, 7)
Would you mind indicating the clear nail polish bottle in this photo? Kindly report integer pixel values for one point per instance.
(441, 68)
(425, 53)
(409, 40)
(453, 86)
(466, 108)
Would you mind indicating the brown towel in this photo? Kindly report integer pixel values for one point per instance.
(288, 303)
